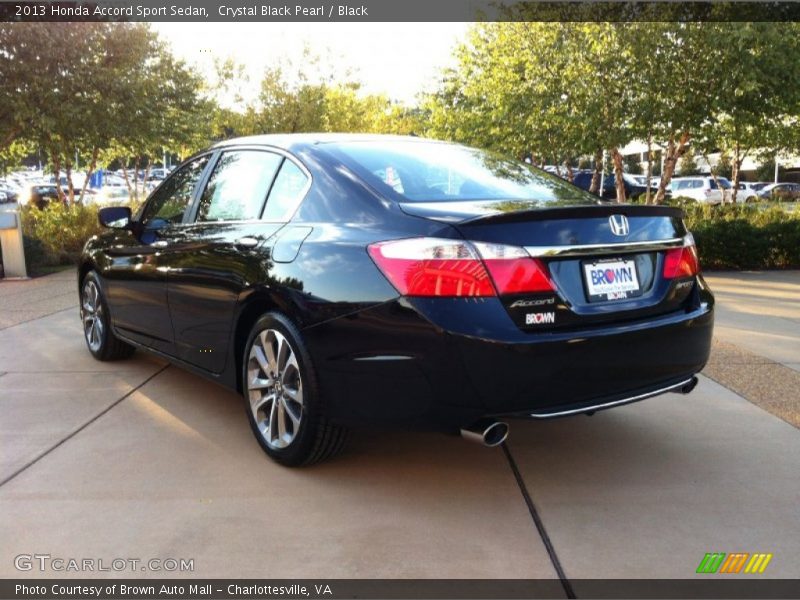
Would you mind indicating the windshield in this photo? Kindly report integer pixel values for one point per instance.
(426, 171)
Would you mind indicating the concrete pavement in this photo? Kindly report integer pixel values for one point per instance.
(759, 311)
(29, 299)
(137, 459)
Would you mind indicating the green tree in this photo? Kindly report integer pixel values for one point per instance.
(550, 91)
(632, 164)
(766, 172)
(677, 82)
(688, 165)
(88, 88)
(758, 102)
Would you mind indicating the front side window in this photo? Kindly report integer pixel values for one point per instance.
(238, 186)
(168, 204)
(287, 191)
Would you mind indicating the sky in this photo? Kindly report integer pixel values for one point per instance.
(397, 59)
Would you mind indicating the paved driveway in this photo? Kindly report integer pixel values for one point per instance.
(140, 459)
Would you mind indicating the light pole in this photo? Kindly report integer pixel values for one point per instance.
(776, 168)
(603, 175)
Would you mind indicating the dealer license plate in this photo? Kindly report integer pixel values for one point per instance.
(611, 280)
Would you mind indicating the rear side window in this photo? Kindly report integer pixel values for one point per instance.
(238, 186)
(286, 192)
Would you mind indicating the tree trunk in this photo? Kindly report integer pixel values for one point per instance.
(649, 165)
(738, 159)
(127, 179)
(570, 173)
(89, 173)
(70, 186)
(594, 188)
(616, 157)
(136, 179)
(672, 155)
(57, 167)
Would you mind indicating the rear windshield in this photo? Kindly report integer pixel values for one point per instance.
(427, 171)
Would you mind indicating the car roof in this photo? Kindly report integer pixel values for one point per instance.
(288, 141)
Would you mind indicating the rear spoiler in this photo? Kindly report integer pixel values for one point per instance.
(586, 211)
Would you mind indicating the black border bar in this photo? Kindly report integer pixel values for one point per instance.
(398, 10)
(710, 586)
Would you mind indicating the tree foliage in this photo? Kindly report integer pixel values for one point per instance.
(558, 91)
(86, 89)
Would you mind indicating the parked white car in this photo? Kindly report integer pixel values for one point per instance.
(748, 190)
(702, 189)
(110, 196)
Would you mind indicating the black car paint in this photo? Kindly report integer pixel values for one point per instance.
(439, 363)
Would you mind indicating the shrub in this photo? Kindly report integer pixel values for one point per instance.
(679, 201)
(745, 236)
(55, 235)
(729, 236)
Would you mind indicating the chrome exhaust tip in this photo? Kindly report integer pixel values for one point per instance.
(689, 386)
(487, 432)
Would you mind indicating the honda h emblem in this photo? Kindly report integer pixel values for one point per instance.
(619, 225)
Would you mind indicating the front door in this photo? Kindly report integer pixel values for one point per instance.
(136, 276)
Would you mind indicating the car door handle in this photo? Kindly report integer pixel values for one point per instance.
(160, 244)
(247, 242)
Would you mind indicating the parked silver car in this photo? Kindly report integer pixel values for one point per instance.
(780, 191)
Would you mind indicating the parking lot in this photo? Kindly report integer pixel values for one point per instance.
(141, 459)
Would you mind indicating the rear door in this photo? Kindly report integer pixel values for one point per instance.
(222, 253)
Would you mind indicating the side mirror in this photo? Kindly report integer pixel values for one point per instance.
(115, 217)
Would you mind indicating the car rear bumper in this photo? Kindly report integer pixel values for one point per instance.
(435, 364)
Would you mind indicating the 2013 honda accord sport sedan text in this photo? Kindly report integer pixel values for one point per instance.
(336, 280)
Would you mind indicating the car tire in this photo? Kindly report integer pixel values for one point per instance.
(282, 397)
(96, 322)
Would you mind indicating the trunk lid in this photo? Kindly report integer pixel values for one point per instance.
(589, 250)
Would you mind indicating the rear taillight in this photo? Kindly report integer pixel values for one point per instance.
(513, 270)
(432, 267)
(452, 268)
(682, 262)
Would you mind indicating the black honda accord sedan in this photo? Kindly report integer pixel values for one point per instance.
(335, 280)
